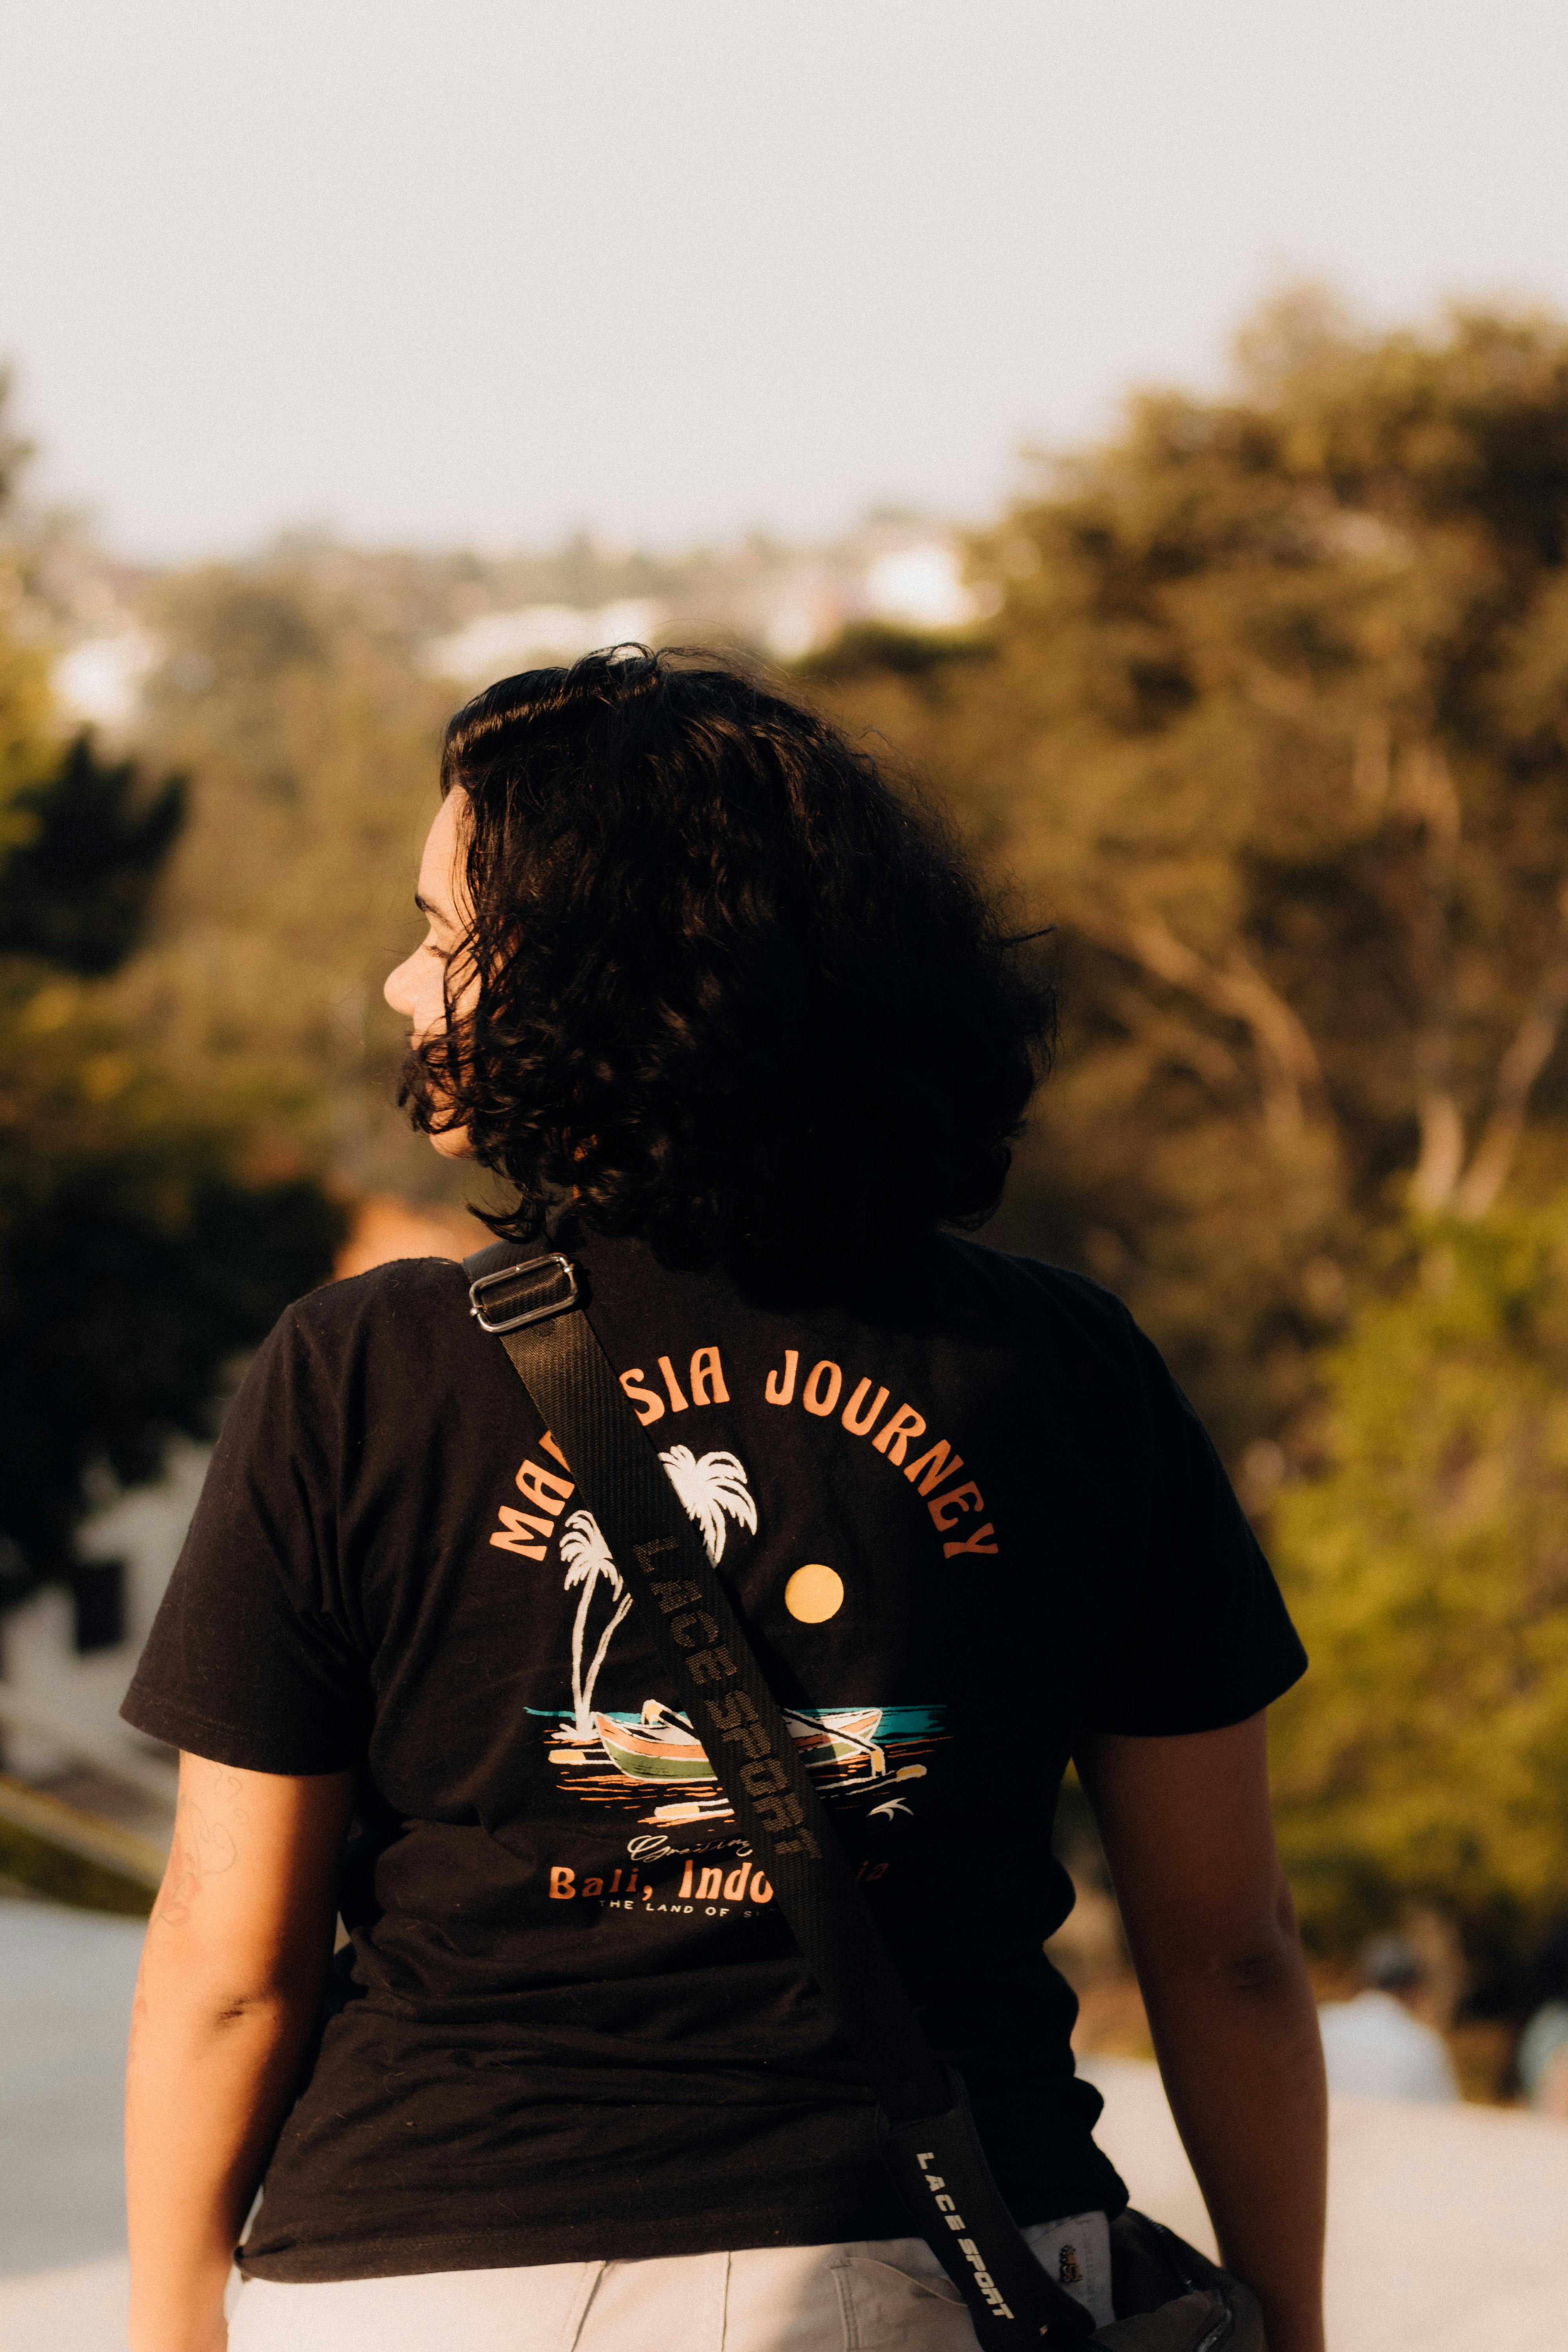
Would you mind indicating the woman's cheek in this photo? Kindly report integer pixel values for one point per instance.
(430, 1014)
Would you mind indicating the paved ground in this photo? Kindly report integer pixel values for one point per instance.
(1448, 2226)
(66, 1980)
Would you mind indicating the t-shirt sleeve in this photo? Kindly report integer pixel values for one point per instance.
(1205, 1640)
(251, 1660)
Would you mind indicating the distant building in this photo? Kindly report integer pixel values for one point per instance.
(783, 602)
(498, 644)
(101, 680)
(924, 586)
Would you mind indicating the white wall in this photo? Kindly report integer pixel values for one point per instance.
(45, 1678)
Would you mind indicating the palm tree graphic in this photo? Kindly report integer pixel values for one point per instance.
(713, 1489)
(587, 1559)
(709, 1485)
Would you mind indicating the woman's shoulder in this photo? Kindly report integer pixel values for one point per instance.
(407, 1292)
(1034, 1300)
(396, 1342)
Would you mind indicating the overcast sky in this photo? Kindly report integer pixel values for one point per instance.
(490, 270)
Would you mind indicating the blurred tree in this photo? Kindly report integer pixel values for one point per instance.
(86, 854)
(24, 670)
(135, 1260)
(293, 688)
(137, 1253)
(1426, 1755)
(1273, 720)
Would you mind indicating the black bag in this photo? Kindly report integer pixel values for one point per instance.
(926, 2133)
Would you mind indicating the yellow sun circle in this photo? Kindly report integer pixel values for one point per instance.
(814, 1593)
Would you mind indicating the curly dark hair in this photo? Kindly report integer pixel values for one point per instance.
(736, 995)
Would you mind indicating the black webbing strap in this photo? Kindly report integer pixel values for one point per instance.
(926, 2133)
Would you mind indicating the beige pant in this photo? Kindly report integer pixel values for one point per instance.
(886, 2293)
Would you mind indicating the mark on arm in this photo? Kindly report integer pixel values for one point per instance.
(204, 1844)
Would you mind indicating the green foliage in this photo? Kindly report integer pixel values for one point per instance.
(26, 750)
(137, 1253)
(866, 647)
(1427, 1564)
(136, 1258)
(1272, 725)
(89, 848)
(293, 692)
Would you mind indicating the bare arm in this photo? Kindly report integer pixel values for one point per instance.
(1213, 1935)
(231, 1976)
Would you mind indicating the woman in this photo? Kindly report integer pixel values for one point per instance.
(738, 1031)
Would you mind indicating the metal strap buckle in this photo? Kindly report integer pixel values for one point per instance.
(487, 1282)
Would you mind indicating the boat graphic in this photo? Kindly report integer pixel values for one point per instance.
(663, 1746)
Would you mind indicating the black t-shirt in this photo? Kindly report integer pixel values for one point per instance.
(967, 1516)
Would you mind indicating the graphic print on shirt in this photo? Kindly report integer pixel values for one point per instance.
(651, 1763)
(655, 1763)
(713, 1490)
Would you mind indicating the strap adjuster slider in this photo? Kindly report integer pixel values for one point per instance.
(537, 1314)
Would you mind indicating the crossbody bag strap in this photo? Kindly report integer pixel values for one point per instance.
(924, 2126)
